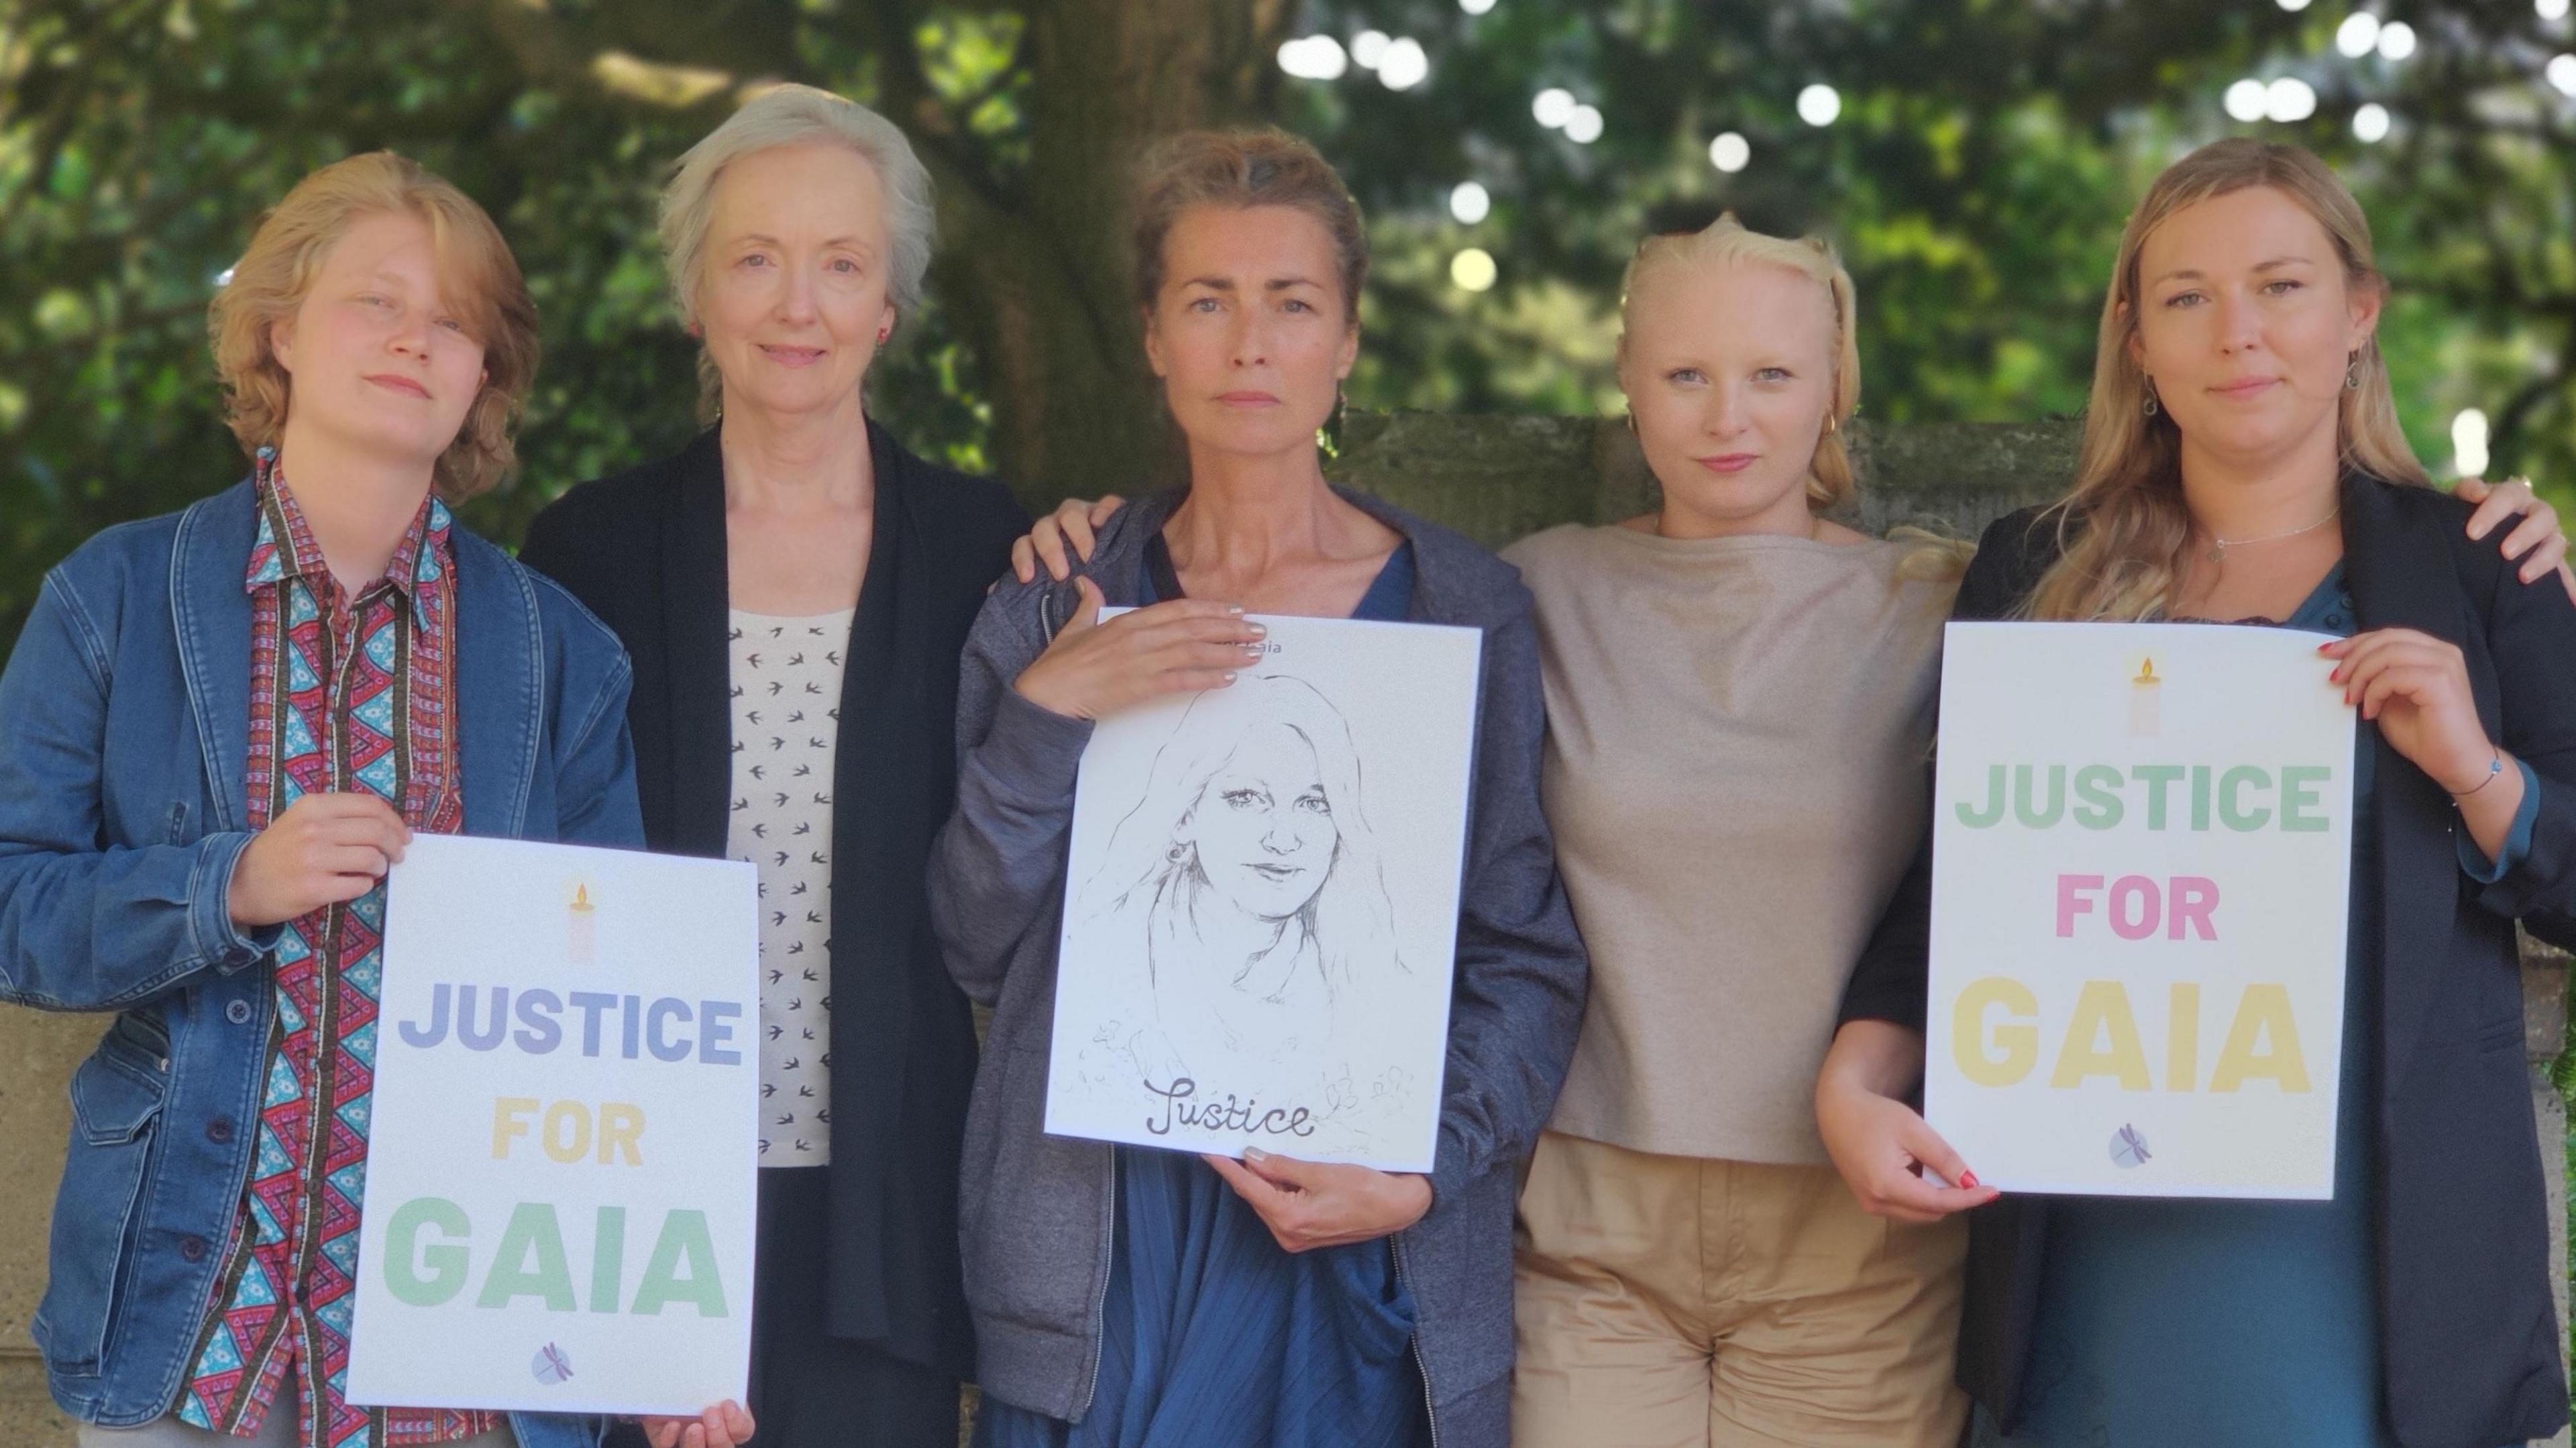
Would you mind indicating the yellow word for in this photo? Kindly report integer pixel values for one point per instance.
(565, 1129)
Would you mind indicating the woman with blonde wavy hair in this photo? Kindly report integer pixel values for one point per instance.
(2242, 463)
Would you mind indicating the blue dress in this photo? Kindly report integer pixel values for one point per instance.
(2235, 1324)
(1210, 1335)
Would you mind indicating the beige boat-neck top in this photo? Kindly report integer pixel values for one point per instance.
(1737, 730)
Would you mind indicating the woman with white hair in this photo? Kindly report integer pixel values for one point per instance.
(795, 587)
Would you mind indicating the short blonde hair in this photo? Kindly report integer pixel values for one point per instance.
(1726, 241)
(479, 276)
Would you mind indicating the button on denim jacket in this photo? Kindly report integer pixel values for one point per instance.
(124, 738)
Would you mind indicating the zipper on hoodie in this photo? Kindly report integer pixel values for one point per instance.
(1421, 1369)
(1100, 1293)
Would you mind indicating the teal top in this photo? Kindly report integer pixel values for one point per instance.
(2237, 1324)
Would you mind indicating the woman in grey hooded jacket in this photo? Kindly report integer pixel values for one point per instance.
(1319, 1303)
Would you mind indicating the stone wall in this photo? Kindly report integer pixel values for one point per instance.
(1494, 478)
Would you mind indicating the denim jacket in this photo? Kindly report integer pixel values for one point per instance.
(124, 739)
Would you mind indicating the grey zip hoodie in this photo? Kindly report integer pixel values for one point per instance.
(1039, 1211)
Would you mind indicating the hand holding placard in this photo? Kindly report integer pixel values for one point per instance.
(2139, 909)
(2416, 688)
(723, 1426)
(559, 1193)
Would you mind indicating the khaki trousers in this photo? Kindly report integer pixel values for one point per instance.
(1676, 1302)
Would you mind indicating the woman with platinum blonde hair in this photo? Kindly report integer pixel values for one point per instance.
(794, 587)
(1739, 696)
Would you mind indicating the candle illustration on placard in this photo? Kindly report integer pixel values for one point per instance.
(2146, 702)
(581, 925)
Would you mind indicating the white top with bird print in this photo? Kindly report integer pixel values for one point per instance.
(786, 720)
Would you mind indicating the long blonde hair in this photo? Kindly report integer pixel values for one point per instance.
(2123, 526)
(1727, 241)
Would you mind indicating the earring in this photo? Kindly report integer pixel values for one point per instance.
(882, 334)
(2352, 373)
(2152, 406)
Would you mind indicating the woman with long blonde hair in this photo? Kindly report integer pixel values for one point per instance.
(2242, 463)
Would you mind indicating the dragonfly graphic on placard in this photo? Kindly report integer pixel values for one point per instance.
(551, 1365)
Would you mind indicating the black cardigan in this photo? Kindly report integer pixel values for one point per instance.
(2471, 1355)
(646, 551)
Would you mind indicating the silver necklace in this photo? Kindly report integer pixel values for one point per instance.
(2218, 546)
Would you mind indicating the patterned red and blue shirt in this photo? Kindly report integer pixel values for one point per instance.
(346, 694)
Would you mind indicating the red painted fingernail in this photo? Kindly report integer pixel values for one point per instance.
(1968, 1179)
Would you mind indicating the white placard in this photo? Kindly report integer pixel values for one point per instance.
(1261, 906)
(2142, 854)
(560, 1171)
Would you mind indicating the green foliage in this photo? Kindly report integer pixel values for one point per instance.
(1976, 178)
(140, 142)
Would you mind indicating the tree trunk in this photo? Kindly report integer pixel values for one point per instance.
(1042, 281)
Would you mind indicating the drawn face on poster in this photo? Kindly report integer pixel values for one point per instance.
(1251, 885)
(1236, 936)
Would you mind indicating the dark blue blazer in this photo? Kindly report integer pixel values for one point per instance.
(2471, 1355)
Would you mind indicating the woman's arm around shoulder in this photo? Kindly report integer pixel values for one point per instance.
(2531, 636)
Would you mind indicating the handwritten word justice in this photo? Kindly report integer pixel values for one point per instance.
(1225, 1114)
